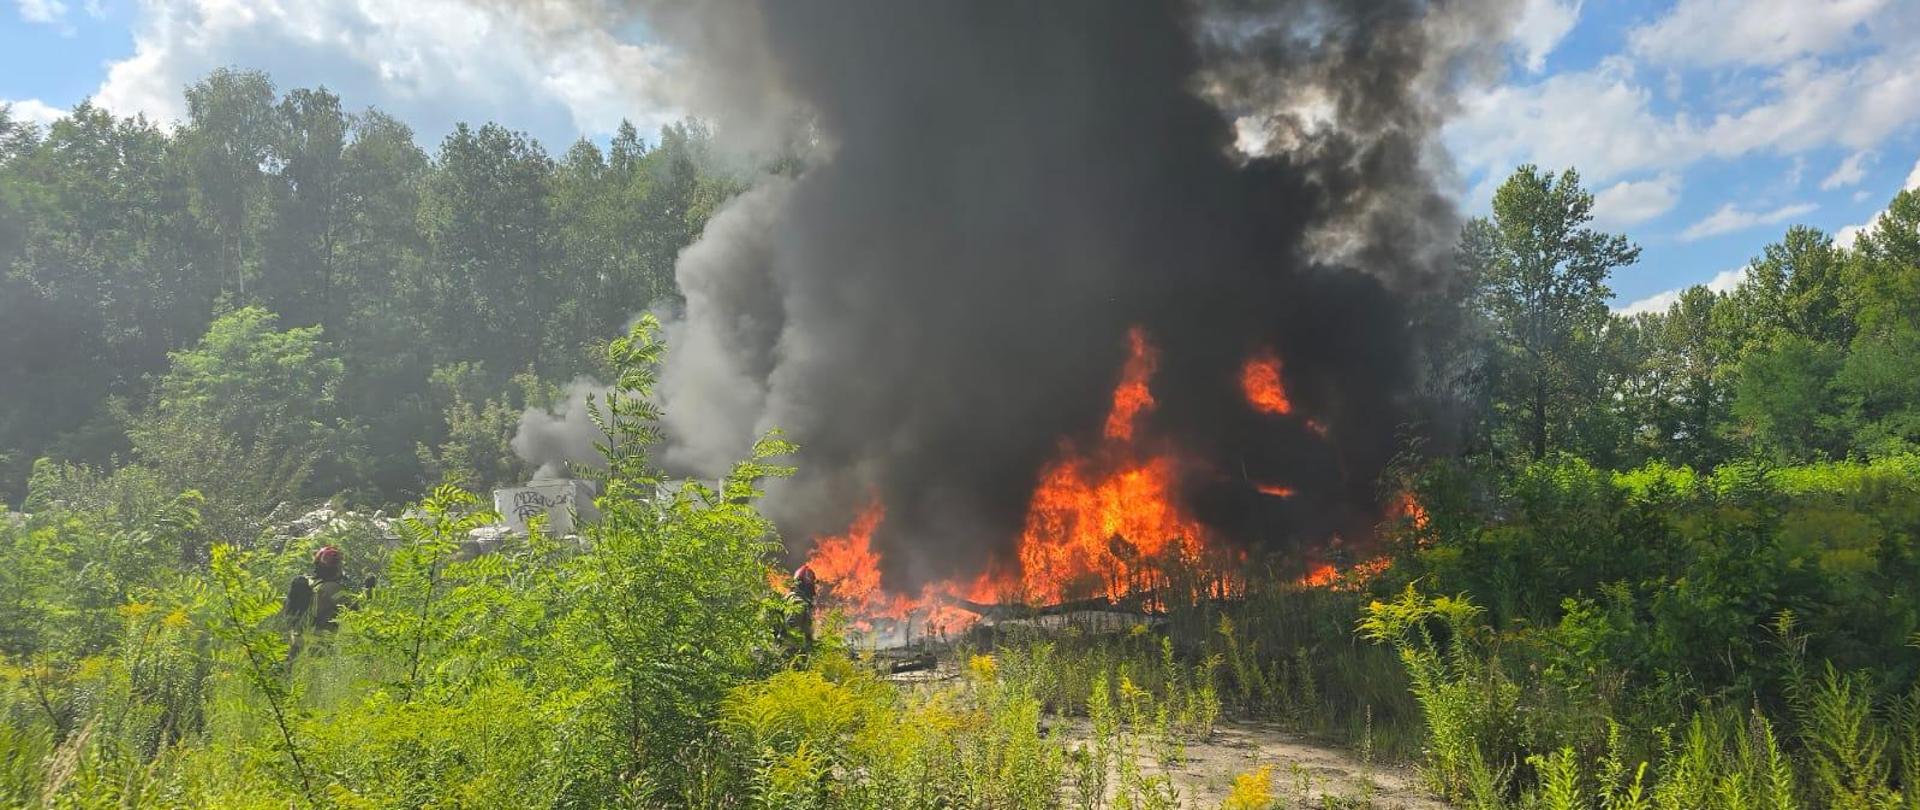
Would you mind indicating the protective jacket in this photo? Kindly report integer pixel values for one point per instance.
(315, 602)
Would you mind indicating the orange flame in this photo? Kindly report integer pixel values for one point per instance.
(1260, 379)
(1275, 490)
(1325, 575)
(1132, 396)
(1102, 521)
(850, 567)
(1097, 535)
(1409, 508)
(1096, 525)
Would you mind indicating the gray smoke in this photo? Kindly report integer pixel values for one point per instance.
(558, 439)
(995, 191)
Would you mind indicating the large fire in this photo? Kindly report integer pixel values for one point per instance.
(1103, 521)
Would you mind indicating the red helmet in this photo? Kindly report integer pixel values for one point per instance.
(326, 557)
(805, 574)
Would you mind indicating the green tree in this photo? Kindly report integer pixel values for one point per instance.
(1876, 384)
(121, 240)
(227, 140)
(300, 273)
(1795, 286)
(1879, 391)
(1544, 289)
(1685, 394)
(480, 426)
(384, 294)
(490, 233)
(100, 285)
(1885, 289)
(246, 417)
(1784, 402)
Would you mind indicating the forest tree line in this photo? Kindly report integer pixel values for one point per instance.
(1810, 358)
(431, 297)
(279, 278)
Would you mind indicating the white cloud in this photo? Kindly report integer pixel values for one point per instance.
(1599, 121)
(1728, 280)
(1732, 218)
(1657, 302)
(1543, 23)
(431, 62)
(1710, 33)
(1850, 172)
(1631, 202)
(1846, 236)
(1797, 171)
(1605, 120)
(33, 110)
(1722, 282)
(1849, 234)
(47, 12)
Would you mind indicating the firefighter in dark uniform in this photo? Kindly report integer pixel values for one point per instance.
(804, 591)
(314, 600)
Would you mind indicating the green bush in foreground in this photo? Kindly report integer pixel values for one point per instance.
(1494, 741)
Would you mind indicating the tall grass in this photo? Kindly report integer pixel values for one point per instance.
(1845, 750)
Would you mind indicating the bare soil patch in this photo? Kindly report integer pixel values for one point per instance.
(1306, 773)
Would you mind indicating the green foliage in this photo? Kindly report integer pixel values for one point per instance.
(1471, 707)
(548, 673)
(1543, 276)
(242, 604)
(246, 417)
(1784, 400)
(122, 242)
(1846, 745)
(478, 451)
(1844, 755)
(1804, 360)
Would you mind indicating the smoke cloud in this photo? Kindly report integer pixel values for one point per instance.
(994, 192)
(555, 439)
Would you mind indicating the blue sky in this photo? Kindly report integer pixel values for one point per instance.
(1706, 127)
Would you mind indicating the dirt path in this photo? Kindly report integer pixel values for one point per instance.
(1305, 773)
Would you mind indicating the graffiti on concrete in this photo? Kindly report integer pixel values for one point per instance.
(530, 502)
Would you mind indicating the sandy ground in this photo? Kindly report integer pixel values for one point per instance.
(1305, 773)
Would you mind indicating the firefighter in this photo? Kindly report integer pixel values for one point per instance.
(804, 590)
(314, 600)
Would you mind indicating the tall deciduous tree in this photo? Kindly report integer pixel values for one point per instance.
(230, 133)
(1685, 399)
(120, 241)
(1795, 286)
(491, 235)
(300, 274)
(1544, 288)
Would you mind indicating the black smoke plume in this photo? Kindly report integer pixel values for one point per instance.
(994, 192)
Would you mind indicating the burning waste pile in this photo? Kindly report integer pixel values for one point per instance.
(1073, 300)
